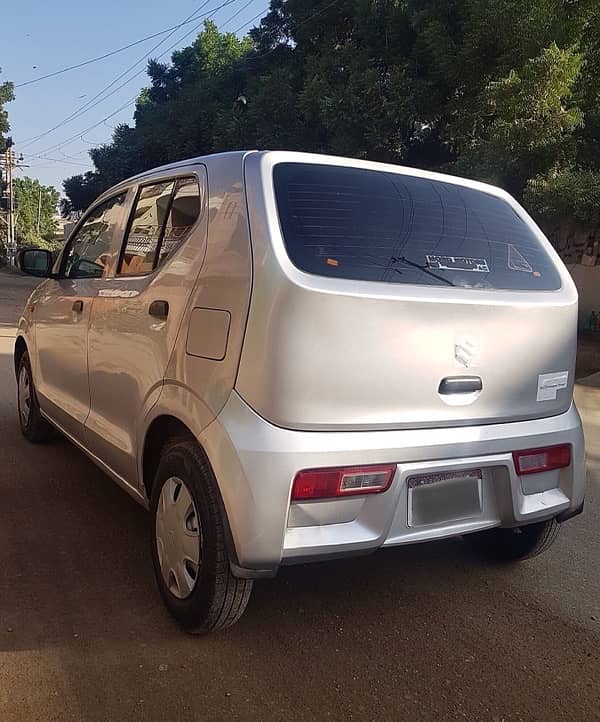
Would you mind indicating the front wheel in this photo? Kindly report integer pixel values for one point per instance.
(515, 544)
(34, 426)
(189, 552)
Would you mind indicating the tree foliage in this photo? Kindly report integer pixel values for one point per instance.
(80, 191)
(565, 194)
(501, 90)
(524, 122)
(31, 199)
(6, 95)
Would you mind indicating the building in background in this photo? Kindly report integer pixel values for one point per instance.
(64, 226)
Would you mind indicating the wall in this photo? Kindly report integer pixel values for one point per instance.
(587, 280)
(579, 247)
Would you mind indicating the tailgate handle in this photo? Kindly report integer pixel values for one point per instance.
(460, 385)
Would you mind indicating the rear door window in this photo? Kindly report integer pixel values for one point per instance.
(163, 215)
(185, 209)
(376, 226)
(149, 216)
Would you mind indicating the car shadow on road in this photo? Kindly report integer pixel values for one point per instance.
(76, 580)
(76, 563)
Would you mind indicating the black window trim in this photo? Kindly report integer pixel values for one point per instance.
(140, 188)
(73, 237)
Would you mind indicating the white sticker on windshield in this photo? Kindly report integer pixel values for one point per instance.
(550, 384)
(457, 263)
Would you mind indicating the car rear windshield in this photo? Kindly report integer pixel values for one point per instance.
(370, 225)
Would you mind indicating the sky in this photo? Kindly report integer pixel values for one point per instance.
(43, 36)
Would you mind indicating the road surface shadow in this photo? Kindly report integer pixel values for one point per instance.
(76, 563)
(366, 636)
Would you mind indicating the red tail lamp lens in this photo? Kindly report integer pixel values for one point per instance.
(534, 461)
(342, 481)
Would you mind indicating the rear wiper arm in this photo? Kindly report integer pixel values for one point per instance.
(424, 269)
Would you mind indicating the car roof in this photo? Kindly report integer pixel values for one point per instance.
(237, 157)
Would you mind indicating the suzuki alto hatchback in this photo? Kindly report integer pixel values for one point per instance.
(291, 357)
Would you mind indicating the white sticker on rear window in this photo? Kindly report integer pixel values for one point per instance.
(457, 263)
(516, 262)
(550, 384)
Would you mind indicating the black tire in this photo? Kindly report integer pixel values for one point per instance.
(515, 544)
(218, 598)
(34, 426)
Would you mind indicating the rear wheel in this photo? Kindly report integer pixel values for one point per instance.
(34, 426)
(516, 544)
(189, 553)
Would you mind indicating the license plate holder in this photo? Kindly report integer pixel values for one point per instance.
(444, 497)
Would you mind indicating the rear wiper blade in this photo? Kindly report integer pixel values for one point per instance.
(424, 269)
(393, 260)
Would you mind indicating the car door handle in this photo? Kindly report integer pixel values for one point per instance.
(159, 309)
(78, 306)
(460, 385)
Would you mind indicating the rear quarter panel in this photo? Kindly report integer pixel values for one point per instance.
(199, 381)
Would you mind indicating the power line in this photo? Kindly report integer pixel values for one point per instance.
(194, 29)
(88, 105)
(62, 144)
(76, 157)
(258, 15)
(106, 55)
(248, 58)
(59, 160)
(241, 10)
(132, 101)
(90, 142)
(91, 103)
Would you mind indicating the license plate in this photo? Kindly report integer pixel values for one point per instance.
(444, 497)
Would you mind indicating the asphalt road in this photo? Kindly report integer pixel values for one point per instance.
(422, 632)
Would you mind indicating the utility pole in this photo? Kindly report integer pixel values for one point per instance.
(11, 246)
(9, 163)
(39, 213)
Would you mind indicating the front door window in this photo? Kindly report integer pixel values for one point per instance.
(90, 249)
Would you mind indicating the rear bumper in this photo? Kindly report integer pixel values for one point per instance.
(255, 463)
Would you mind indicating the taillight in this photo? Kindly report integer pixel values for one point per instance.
(343, 481)
(534, 461)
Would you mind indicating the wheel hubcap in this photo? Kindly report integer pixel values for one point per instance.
(24, 390)
(178, 538)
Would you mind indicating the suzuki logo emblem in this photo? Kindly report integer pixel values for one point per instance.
(465, 351)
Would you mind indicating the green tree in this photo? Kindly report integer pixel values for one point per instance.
(565, 194)
(523, 123)
(81, 190)
(501, 90)
(6, 95)
(36, 213)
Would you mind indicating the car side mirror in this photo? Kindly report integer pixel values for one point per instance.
(35, 262)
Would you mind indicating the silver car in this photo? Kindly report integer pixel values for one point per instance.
(291, 357)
